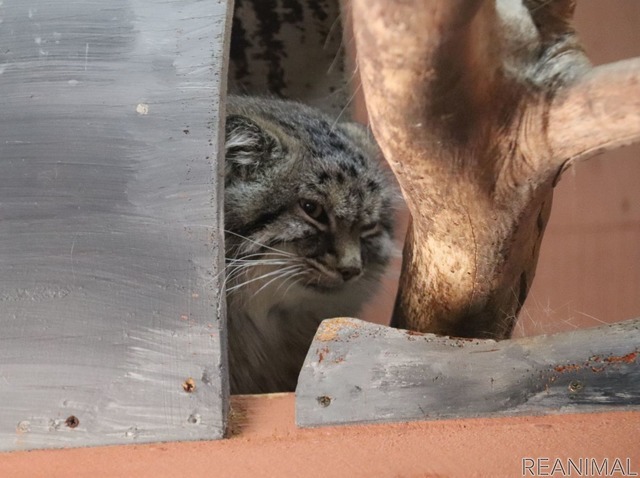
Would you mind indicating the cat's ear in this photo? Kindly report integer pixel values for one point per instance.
(247, 146)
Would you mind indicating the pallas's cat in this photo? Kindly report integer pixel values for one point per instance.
(308, 219)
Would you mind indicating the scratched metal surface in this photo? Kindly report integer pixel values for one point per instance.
(109, 221)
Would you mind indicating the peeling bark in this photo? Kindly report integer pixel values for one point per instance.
(479, 106)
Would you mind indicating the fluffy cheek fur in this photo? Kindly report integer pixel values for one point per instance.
(377, 250)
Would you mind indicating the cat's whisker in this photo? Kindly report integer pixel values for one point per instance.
(286, 273)
(258, 243)
(302, 270)
(264, 255)
(293, 282)
(260, 277)
(228, 271)
(282, 274)
(313, 279)
(244, 262)
(234, 265)
(254, 263)
(277, 253)
(348, 103)
(234, 273)
(235, 270)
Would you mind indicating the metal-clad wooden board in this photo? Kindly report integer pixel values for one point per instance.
(111, 325)
(358, 372)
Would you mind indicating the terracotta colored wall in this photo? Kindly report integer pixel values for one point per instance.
(589, 268)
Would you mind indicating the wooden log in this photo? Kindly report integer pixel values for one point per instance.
(358, 372)
(110, 222)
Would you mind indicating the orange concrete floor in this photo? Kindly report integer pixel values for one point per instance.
(265, 442)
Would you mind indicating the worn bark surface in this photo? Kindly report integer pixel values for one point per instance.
(479, 106)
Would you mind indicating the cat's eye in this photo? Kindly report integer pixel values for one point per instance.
(369, 229)
(314, 210)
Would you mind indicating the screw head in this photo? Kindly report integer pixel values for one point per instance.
(575, 386)
(324, 401)
(72, 421)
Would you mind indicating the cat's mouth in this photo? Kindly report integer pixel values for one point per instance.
(322, 278)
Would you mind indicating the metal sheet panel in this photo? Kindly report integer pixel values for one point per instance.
(111, 325)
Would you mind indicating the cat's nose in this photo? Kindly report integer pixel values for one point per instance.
(349, 273)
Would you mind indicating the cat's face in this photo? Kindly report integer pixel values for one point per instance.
(306, 200)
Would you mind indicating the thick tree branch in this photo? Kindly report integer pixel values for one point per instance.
(424, 71)
(601, 111)
(478, 106)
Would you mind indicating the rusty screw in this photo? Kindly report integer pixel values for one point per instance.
(189, 385)
(324, 401)
(575, 386)
(72, 421)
